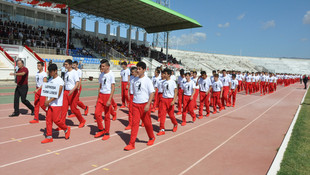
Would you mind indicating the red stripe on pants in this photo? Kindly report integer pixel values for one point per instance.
(216, 100)
(100, 107)
(54, 115)
(130, 110)
(79, 103)
(204, 100)
(38, 102)
(225, 95)
(180, 99)
(72, 101)
(165, 108)
(124, 92)
(188, 106)
(137, 114)
(232, 94)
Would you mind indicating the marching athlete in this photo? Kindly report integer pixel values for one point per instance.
(168, 99)
(125, 77)
(104, 101)
(143, 94)
(54, 105)
(39, 100)
(188, 98)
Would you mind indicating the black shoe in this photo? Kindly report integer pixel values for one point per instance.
(32, 112)
(14, 115)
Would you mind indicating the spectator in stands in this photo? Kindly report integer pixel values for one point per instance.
(21, 89)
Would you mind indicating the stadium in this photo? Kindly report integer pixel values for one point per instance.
(252, 131)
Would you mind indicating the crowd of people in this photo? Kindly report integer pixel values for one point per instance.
(102, 46)
(12, 32)
(141, 95)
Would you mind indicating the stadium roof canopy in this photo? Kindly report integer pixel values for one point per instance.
(146, 14)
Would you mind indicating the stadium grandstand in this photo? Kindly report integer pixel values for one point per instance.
(254, 101)
(43, 30)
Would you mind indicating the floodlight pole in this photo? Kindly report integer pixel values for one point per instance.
(167, 44)
(67, 31)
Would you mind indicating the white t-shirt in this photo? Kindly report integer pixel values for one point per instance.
(181, 82)
(225, 80)
(253, 78)
(160, 86)
(257, 78)
(234, 84)
(106, 80)
(248, 78)
(131, 84)
(195, 81)
(58, 101)
(155, 81)
(40, 77)
(124, 74)
(262, 78)
(204, 84)
(239, 77)
(142, 89)
(172, 77)
(216, 86)
(212, 79)
(271, 79)
(188, 87)
(266, 78)
(79, 71)
(168, 88)
(70, 79)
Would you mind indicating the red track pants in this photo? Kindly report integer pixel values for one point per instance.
(188, 106)
(137, 114)
(80, 103)
(232, 94)
(262, 87)
(165, 108)
(180, 99)
(195, 98)
(156, 99)
(248, 88)
(160, 98)
(100, 107)
(72, 101)
(204, 100)
(38, 102)
(54, 115)
(225, 95)
(216, 100)
(130, 110)
(124, 92)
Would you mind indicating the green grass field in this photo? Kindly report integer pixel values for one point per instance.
(296, 159)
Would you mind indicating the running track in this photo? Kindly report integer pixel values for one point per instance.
(240, 140)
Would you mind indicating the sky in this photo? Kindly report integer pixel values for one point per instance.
(262, 28)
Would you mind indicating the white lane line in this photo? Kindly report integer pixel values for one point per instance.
(163, 141)
(227, 140)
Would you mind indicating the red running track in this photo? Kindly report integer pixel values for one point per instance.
(240, 140)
